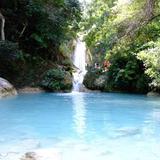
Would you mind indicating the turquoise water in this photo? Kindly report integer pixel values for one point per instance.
(81, 126)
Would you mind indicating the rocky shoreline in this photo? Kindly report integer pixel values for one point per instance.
(6, 88)
(31, 90)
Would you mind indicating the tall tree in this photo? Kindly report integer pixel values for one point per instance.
(2, 26)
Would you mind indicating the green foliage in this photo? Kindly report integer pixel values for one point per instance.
(36, 32)
(151, 59)
(9, 50)
(40, 27)
(119, 32)
(10, 55)
(126, 73)
(99, 33)
(57, 80)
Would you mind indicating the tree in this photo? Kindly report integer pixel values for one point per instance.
(35, 33)
(119, 32)
(2, 26)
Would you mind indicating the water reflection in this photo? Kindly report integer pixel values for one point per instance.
(79, 115)
(156, 114)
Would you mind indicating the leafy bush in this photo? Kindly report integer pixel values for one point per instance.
(9, 51)
(57, 80)
(121, 31)
(126, 73)
(9, 56)
(151, 59)
(35, 30)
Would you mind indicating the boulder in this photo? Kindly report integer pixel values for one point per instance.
(82, 88)
(29, 156)
(153, 94)
(90, 78)
(95, 79)
(31, 90)
(43, 154)
(6, 88)
(100, 81)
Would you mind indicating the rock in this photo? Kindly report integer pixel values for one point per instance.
(30, 156)
(82, 88)
(42, 154)
(95, 79)
(125, 132)
(154, 94)
(31, 90)
(90, 77)
(100, 81)
(6, 89)
(67, 81)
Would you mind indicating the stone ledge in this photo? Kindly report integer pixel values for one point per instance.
(30, 90)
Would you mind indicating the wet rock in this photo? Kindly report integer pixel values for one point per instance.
(67, 81)
(29, 156)
(86, 90)
(6, 88)
(42, 154)
(100, 81)
(95, 79)
(31, 90)
(150, 94)
(82, 88)
(125, 132)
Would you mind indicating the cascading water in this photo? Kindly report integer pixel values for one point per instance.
(79, 60)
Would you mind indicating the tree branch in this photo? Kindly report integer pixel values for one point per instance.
(23, 30)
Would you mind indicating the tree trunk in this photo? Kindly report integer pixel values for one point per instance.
(2, 27)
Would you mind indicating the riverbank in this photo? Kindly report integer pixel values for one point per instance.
(105, 81)
(31, 90)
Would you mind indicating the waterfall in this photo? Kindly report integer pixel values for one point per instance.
(79, 60)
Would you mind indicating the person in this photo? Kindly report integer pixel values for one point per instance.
(96, 65)
(106, 65)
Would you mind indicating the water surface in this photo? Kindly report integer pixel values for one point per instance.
(81, 126)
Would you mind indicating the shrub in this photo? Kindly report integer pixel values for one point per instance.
(151, 59)
(9, 51)
(127, 74)
(57, 80)
(10, 55)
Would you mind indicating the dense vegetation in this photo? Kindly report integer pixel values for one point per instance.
(36, 41)
(127, 34)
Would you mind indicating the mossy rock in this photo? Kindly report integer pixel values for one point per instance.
(95, 79)
(57, 80)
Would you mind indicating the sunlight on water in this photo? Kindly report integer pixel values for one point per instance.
(79, 114)
(80, 126)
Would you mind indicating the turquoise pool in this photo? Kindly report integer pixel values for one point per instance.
(81, 126)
